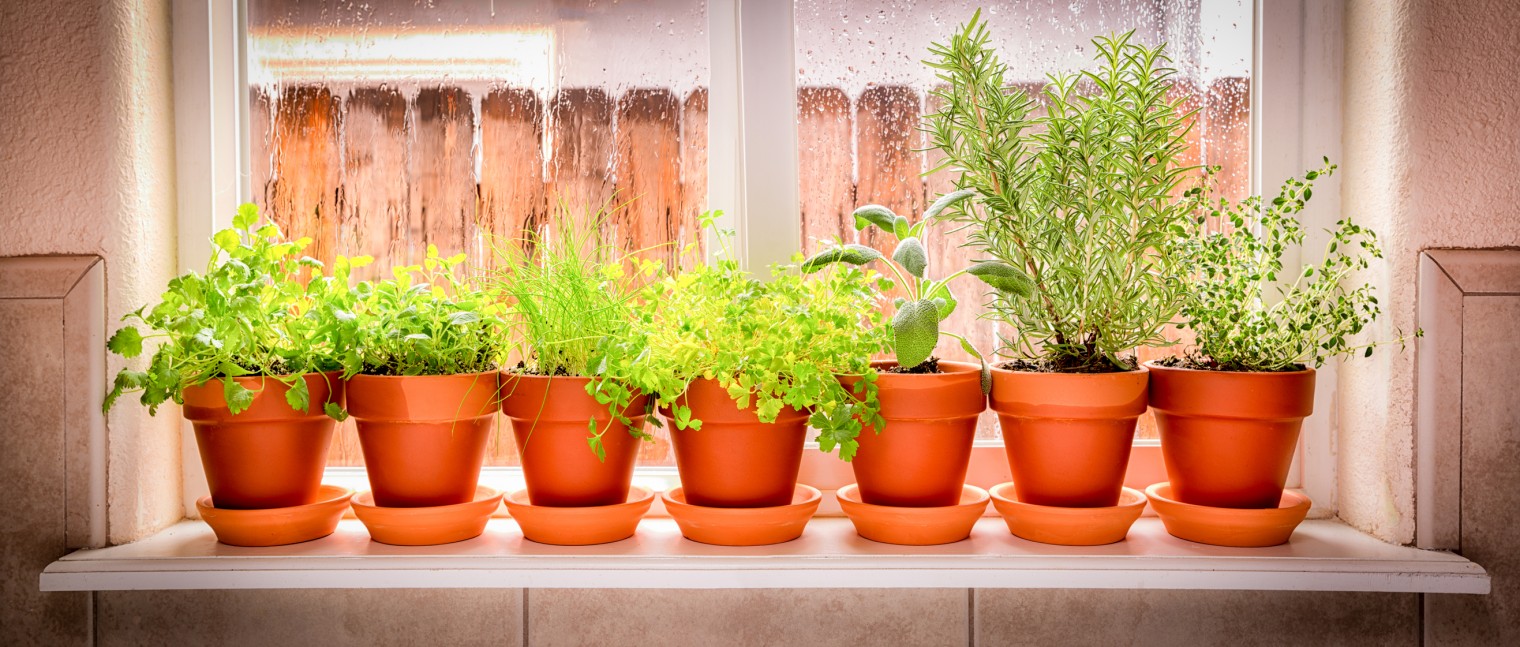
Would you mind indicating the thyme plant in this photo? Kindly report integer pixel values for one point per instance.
(1233, 270)
(254, 312)
(570, 308)
(1076, 204)
(782, 343)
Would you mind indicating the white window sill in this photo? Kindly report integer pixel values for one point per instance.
(1324, 555)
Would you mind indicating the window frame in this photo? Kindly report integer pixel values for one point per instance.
(753, 143)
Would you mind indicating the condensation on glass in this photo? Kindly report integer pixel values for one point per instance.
(862, 90)
(383, 126)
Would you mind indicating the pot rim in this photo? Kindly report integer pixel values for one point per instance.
(961, 367)
(998, 369)
(369, 376)
(1181, 369)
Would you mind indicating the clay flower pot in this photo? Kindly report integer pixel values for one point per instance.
(268, 456)
(1228, 437)
(549, 420)
(1068, 435)
(424, 437)
(734, 460)
(920, 458)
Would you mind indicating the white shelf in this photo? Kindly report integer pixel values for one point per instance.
(1323, 556)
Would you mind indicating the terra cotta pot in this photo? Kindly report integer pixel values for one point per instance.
(920, 458)
(734, 460)
(549, 420)
(269, 455)
(1228, 437)
(424, 437)
(1068, 435)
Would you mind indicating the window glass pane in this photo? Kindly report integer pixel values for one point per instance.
(381, 127)
(862, 89)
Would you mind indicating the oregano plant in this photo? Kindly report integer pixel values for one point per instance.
(1247, 311)
(915, 326)
(1077, 204)
(771, 344)
(260, 309)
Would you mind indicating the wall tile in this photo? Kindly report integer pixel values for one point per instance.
(32, 469)
(1237, 618)
(330, 618)
(1490, 478)
(813, 617)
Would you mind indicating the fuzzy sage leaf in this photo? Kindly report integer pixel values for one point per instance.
(852, 254)
(910, 254)
(916, 331)
(1004, 277)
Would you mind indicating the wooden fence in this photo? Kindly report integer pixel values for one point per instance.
(373, 171)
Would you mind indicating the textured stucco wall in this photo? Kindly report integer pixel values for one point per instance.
(1432, 149)
(87, 167)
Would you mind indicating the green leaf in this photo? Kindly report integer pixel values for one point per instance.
(227, 239)
(238, 398)
(875, 214)
(229, 369)
(297, 396)
(945, 201)
(1004, 277)
(248, 213)
(910, 254)
(335, 412)
(852, 254)
(900, 227)
(127, 342)
(463, 318)
(916, 329)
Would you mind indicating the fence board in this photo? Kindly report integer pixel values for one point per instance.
(648, 172)
(512, 198)
(443, 170)
(580, 162)
(825, 165)
(693, 170)
(307, 168)
(376, 209)
(888, 164)
(261, 142)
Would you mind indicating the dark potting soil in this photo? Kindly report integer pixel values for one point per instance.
(928, 366)
(1048, 366)
(1201, 363)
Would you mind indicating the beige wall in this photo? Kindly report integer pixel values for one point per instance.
(86, 161)
(87, 167)
(1432, 149)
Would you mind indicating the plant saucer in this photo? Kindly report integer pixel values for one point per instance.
(580, 526)
(1238, 527)
(427, 526)
(743, 526)
(278, 526)
(1068, 526)
(914, 526)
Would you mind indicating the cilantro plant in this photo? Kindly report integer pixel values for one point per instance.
(252, 313)
(429, 319)
(915, 326)
(1077, 204)
(776, 344)
(1233, 269)
(570, 309)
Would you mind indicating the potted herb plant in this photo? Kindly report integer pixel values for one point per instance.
(930, 405)
(1074, 210)
(422, 382)
(742, 367)
(576, 415)
(248, 348)
(1230, 410)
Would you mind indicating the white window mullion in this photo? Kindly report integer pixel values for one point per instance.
(769, 219)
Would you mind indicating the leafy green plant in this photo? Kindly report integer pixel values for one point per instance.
(570, 309)
(782, 343)
(1234, 252)
(429, 319)
(252, 313)
(1076, 204)
(915, 326)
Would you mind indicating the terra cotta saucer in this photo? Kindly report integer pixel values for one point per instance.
(1238, 527)
(743, 526)
(914, 526)
(1068, 526)
(580, 526)
(278, 526)
(427, 526)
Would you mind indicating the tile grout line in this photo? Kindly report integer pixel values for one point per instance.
(525, 617)
(971, 617)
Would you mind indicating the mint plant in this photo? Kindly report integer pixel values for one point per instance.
(254, 312)
(915, 326)
(1075, 205)
(1233, 253)
(429, 319)
(782, 343)
(569, 306)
